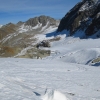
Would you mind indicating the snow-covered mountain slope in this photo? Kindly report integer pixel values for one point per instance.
(84, 17)
(71, 72)
(64, 67)
(67, 49)
(26, 30)
(72, 49)
(26, 79)
(20, 37)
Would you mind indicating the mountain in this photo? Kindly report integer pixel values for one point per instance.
(1, 26)
(21, 37)
(7, 29)
(71, 72)
(68, 68)
(42, 20)
(84, 17)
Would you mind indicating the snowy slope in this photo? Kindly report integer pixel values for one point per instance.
(66, 74)
(76, 50)
(20, 37)
(26, 79)
(72, 49)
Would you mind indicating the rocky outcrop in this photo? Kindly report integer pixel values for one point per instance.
(43, 43)
(6, 51)
(41, 20)
(84, 16)
(20, 23)
(7, 29)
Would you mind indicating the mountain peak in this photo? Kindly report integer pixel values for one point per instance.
(41, 19)
(82, 17)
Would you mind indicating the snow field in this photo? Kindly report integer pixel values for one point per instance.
(75, 50)
(66, 74)
(27, 79)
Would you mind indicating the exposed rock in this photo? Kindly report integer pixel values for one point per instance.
(20, 38)
(32, 22)
(84, 16)
(9, 51)
(20, 23)
(34, 53)
(42, 20)
(7, 29)
(96, 60)
(43, 43)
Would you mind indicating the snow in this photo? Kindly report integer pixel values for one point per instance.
(54, 95)
(43, 28)
(67, 74)
(87, 6)
(37, 26)
(8, 37)
(23, 51)
(75, 50)
(27, 79)
(42, 36)
(26, 28)
(23, 28)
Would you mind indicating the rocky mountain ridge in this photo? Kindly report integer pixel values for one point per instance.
(19, 39)
(24, 38)
(43, 20)
(84, 16)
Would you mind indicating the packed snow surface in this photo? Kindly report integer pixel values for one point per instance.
(27, 79)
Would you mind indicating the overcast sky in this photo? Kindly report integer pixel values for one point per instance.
(21, 10)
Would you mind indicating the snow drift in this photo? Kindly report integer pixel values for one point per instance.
(53, 95)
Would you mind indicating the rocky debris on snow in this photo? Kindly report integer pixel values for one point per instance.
(96, 60)
(44, 43)
(33, 53)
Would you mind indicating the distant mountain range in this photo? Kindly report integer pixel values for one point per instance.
(83, 18)
(20, 40)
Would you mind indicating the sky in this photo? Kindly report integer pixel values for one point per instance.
(21, 10)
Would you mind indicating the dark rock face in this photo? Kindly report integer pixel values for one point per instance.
(83, 16)
(32, 21)
(41, 19)
(20, 23)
